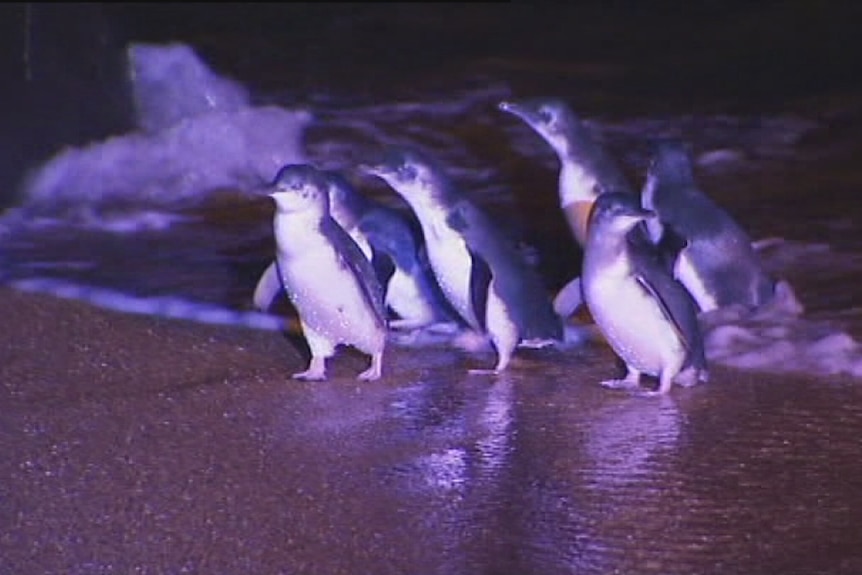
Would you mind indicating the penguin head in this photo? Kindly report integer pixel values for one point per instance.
(299, 188)
(551, 118)
(671, 161)
(616, 212)
(409, 172)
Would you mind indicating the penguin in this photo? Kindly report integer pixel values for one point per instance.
(586, 170)
(709, 252)
(326, 276)
(482, 275)
(646, 316)
(394, 248)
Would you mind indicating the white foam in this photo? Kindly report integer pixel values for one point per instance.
(193, 157)
(171, 83)
(173, 307)
(119, 222)
(777, 338)
(197, 135)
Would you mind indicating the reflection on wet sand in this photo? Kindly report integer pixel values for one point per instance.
(171, 447)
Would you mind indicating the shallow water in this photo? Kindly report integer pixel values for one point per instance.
(429, 470)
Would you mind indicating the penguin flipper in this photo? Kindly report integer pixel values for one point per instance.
(268, 287)
(384, 267)
(675, 301)
(480, 283)
(569, 298)
(352, 257)
(388, 232)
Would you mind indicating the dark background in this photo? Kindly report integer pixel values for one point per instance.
(63, 65)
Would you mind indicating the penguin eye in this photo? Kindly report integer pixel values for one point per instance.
(546, 116)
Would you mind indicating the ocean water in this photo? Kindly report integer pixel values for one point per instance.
(168, 218)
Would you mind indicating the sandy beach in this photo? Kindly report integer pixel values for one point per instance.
(141, 445)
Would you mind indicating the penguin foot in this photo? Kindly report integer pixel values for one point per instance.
(316, 370)
(627, 384)
(483, 372)
(374, 371)
(498, 369)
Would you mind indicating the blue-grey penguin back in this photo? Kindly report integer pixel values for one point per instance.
(719, 264)
(531, 309)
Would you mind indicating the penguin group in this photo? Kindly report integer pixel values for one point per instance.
(355, 269)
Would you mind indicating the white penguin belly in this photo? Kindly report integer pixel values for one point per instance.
(452, 266)
(405, 297)
(685, 272)
(632, 321)
(330, 301)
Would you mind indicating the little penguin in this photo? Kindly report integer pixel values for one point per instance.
(394, 248)
(482, 275)
(647, 317)
(586, 170)
(709, 251)
(326, 276)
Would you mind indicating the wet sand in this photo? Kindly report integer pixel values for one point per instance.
(140, 445)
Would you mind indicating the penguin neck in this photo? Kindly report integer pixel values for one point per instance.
(576, 184)
(295, 232)
(430, 202)
(606, 248)
(577, 192)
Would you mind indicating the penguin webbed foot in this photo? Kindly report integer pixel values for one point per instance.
(625, 384)
(316, 370)
(483, 371)
(502, 363)
(631, 382)
(375, 370)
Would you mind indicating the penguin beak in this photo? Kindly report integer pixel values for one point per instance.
(511, 108)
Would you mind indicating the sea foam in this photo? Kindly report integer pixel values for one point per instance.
(197, 133)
